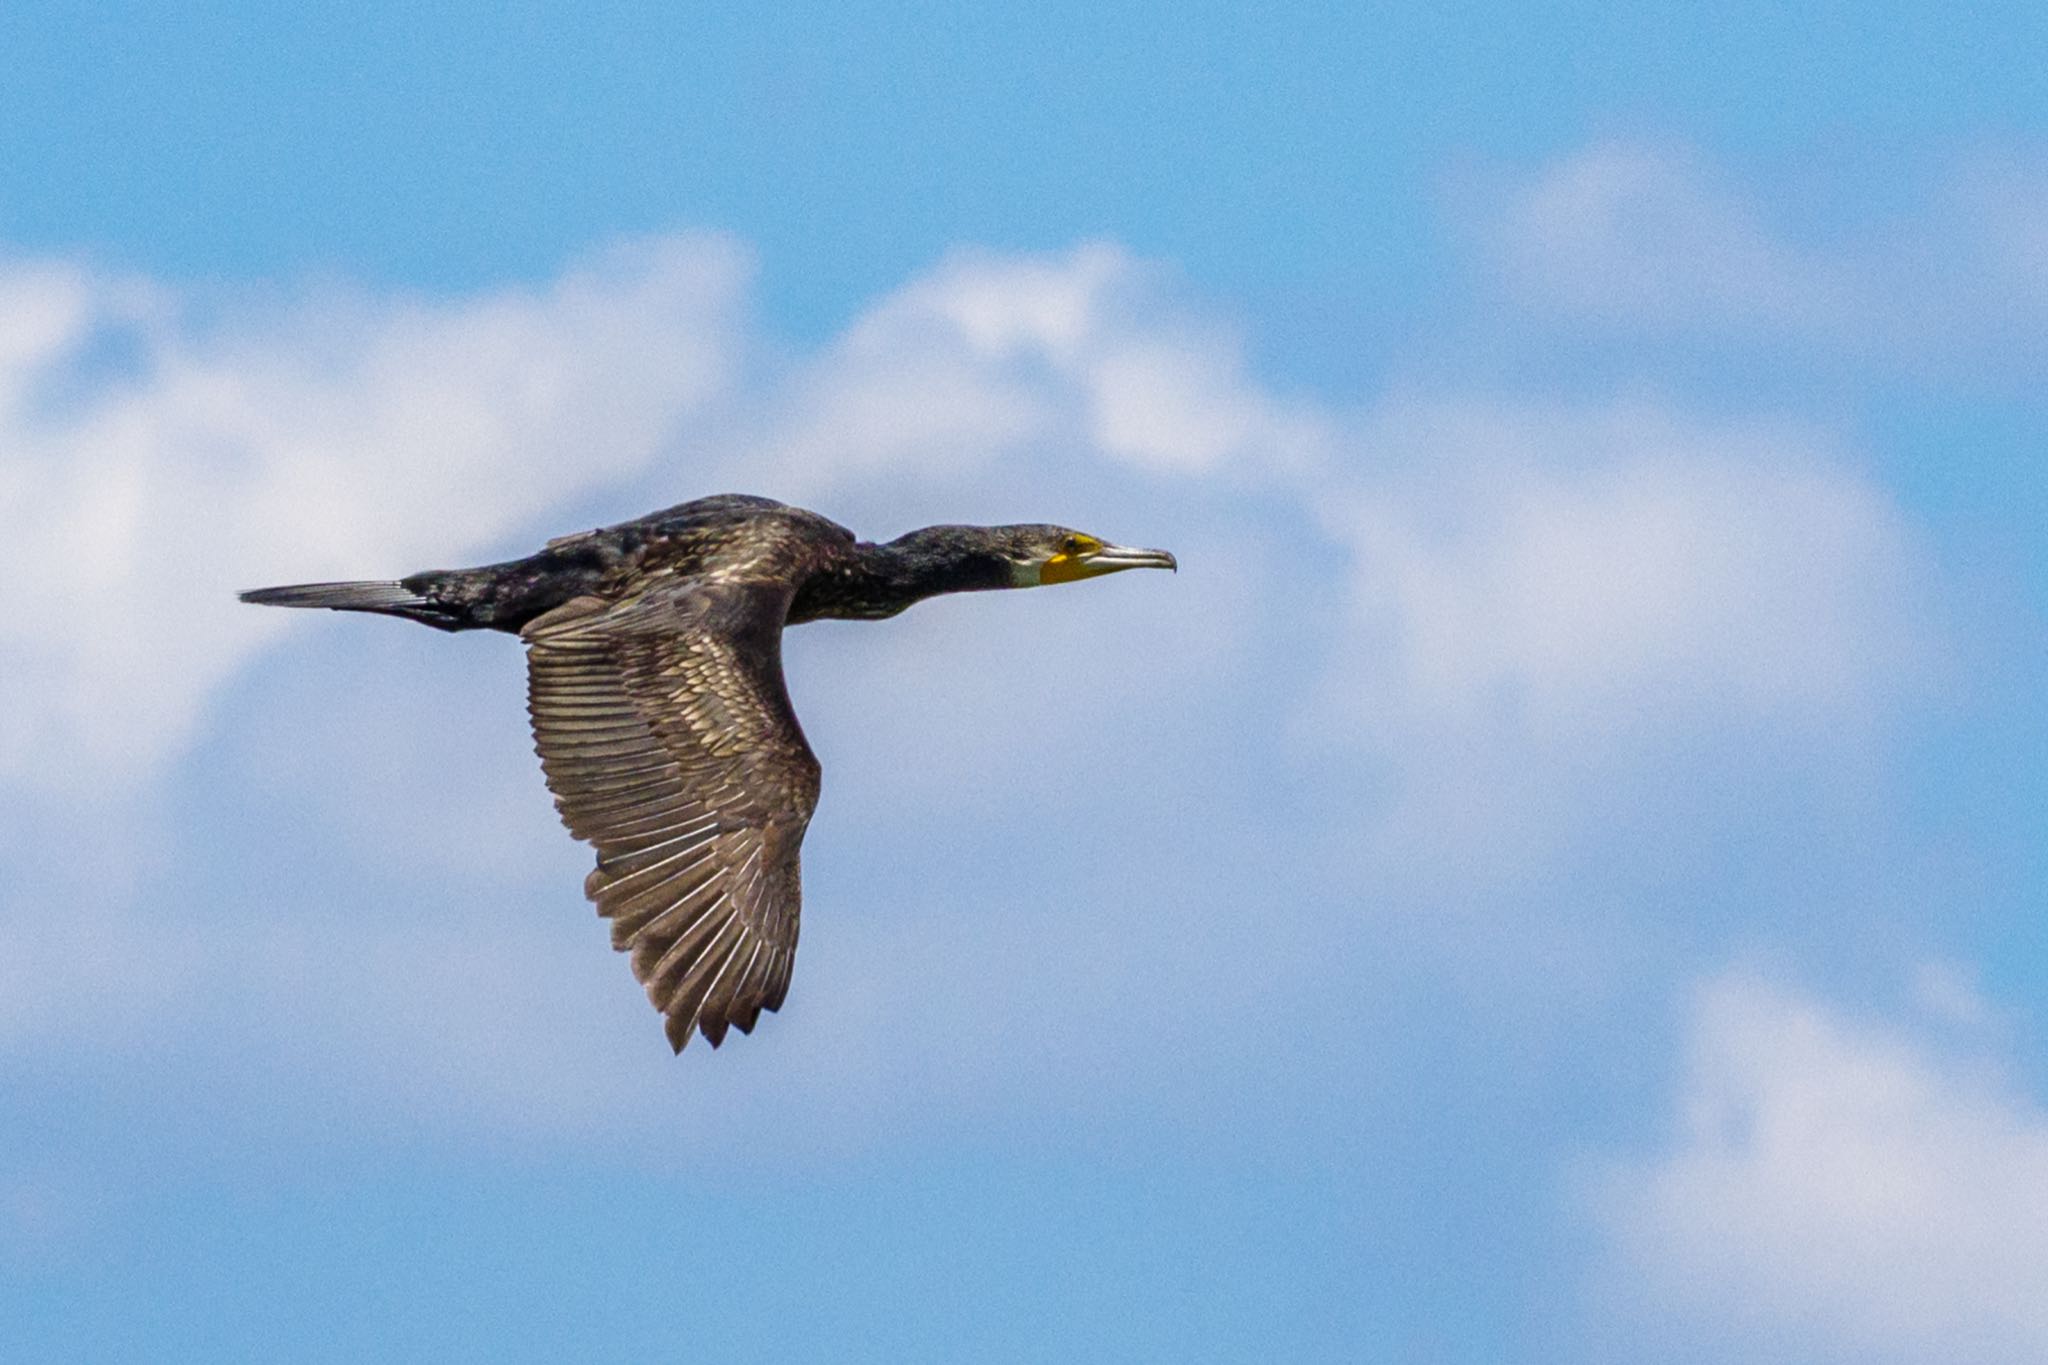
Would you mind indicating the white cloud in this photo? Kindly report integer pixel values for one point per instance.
(1547, 602)
(1651, 240)
(1566, 572)
(986, 357)
(1635, 235)
(311, 437)
(1839, 1188)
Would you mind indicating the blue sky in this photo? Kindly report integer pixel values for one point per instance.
(1557, 876)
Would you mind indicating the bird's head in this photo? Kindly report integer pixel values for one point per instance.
(973, 558)
(1057, 554)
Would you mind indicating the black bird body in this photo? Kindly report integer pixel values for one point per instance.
(731, 538)
(661, 719)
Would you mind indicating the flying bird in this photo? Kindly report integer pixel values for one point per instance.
(654, 683)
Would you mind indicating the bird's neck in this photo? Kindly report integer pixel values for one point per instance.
(874, 581)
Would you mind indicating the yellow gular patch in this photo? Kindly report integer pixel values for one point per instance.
(1071, 562)
(1062, 568)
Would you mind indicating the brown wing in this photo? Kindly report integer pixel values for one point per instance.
(668, 740)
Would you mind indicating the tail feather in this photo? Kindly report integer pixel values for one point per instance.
(339, 596)
(389, 598)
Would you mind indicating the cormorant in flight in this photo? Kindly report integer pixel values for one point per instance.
(654, 681)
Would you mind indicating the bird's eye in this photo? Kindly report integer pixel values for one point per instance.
(1076, 545)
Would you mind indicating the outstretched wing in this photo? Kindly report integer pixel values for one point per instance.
(668, 740)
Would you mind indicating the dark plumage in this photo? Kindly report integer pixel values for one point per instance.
(654, 670)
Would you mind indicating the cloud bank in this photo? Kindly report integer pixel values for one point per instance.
(1480, 626)
(1635, 239)
(1553, 562)
(1841, 1187)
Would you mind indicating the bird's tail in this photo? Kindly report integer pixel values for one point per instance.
(388, 598)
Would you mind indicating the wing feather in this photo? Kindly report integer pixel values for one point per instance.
(668, 740)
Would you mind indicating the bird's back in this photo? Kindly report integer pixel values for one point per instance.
(731, 536)
(724, 539)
